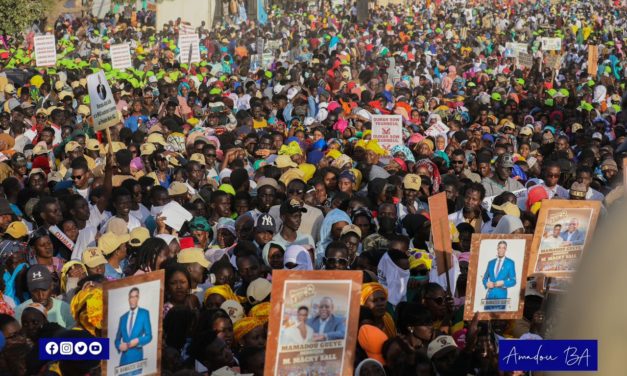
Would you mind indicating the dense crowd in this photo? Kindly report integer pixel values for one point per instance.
(275, 160)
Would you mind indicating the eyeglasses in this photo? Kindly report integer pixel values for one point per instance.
(439, 300)
(457, 162)
(76, 177)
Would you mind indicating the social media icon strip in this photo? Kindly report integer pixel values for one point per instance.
(73, 349)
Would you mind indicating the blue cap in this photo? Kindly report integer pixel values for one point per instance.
(488, 137)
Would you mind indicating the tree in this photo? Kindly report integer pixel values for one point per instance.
(19, 15)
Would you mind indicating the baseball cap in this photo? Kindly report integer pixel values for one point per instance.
(233, 309)
(292, 206)
(347, 174)
(147, 148)
(71, 146)
(440, 346)
(508, 208)
(193, 255)
(267, 181)
(197, 157)
(526, 131)
(258, 290)
(597, 136)
(265, 222)
(199, 224)
(5, 208)
(138, 236)
(109, 242)
(578, 190)
(351, 228)
(284, 161)
(93, 144)
(609, 164)
(117, 226)
(505, 160)
(412, 181)
(17, 229)
(38, 278)
(92, 257)
(177, 188)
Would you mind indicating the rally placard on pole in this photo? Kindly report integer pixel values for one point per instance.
(186, 28)
(593, 60)
(441, 233)
(551, 44)
(103, 110)
(45, 50)
(189, 47)
(525, 60)
(387, 130)
(121, 56)
(303, 300)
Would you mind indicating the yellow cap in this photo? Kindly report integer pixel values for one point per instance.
(193, 255)
(412, 181)
(197, 157)
(92, 257)
(109, 242)
(138, 236)
(93, 144)
(147, 148)
(83, 110)
(177, 188)
(71, 146)
(156, 138)
(17, 229)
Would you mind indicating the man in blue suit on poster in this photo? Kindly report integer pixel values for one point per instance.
(499, 276)
(134, 332)
(326, 325)
(572, 235)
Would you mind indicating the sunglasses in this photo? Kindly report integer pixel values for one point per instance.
(457, 162)
(439, 300)
(76, 177)
(336, 260)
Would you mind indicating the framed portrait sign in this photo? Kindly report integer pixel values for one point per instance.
(298, 342)
(497, 276)
(133, 316)
(563, 231)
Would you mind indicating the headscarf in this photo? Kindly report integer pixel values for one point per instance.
(334, 216)
(245, 326)
(224, 291)
(293, 148)
(181, 86)
(436, 179)
(367, 289)
(87, 309)
(371, 339)
(393, 278)
(419, 257)
(508, 224)
(298, 255)
(261, 310)
(409, 156)
(265, 253)
(537, 193)
(66, 268)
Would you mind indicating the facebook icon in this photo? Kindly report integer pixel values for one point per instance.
(73, 349)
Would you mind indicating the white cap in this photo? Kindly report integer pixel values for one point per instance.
(291, 93)
(440, 344)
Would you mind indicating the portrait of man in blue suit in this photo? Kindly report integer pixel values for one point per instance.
(326, 325)
(498, 277)
(134, 332)
(572, 235)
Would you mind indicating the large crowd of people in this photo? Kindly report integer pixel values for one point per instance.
(272, 153)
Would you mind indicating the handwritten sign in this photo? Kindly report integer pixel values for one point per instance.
(553, 61)
(103, 110)
(551, 44)
(388, 130)
(45, 50)
(593, 60)
(189, 47)
(525, 60)
(437, 129)
(121, 56)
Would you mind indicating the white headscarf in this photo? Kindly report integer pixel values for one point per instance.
(393, 278)
(297, 254)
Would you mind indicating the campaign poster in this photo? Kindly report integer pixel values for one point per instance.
(45, 50)
(298, 342)
(563, 230)
(133, 313)
(525, 60)
(387, 130)
(189, 47)
(121, 56)
(497, 276)
(103, 110)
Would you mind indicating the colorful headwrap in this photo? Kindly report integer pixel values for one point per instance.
(245, 326)
(261, 310)
(409, 156)
(436, 179)
(367, 289)
(419, 257)
(373, 145)
(293, 148)
(87, 309)
(224, 291)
